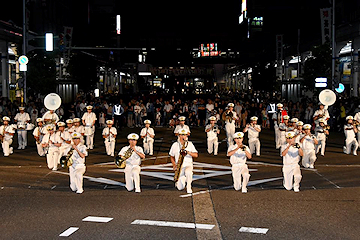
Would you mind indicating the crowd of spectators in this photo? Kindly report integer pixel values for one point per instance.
(164, 110)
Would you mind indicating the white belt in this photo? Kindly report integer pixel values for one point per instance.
(238, 164)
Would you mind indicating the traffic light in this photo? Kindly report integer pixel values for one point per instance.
(61, 42)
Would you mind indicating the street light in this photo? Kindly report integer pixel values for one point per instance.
(49, 42)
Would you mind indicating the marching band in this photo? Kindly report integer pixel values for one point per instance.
(294, 139)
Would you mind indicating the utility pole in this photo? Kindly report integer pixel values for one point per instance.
(334, 82)
(24, 47)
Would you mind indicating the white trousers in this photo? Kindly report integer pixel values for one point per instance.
(212, 145)
(63, 150)
(132, 177)
(76, 177)
(40, 149)
(230, 131)
(254, 144)
(90, 141)
(149, 146)
(52, 158)
(7, 150)
(110, 147)
(292, 176)
(277, 137)
(238, 171)
(22, 138)
(185, 177)
(349, 143)
(309, 158)
(321, 145)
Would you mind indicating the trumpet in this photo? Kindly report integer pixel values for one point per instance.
(326, 127)
(296, 145)
(356, 123)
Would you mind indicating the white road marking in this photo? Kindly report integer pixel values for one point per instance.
(97, 219)
(53, 187)
(68, 231)
(337, 186)
(99, 180)
(278, 165)
(250, 183)
(173, 224)
(254, 230)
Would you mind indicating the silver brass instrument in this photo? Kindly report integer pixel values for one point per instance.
(52, 101)
(67, 160)
(180, 161)
(120, 161)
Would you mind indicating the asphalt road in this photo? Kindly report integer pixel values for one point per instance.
(36, 203)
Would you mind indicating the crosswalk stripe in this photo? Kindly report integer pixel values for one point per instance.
(68, 231)
(254, 230)
(173, 224)
(97, 219)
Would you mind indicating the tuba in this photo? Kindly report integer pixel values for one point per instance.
(52, 101)
(120, 161)
(327, 97)
(180, 161)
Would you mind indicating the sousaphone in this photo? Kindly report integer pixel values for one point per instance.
(327, 97)
(52, 101)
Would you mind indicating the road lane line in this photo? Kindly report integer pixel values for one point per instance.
(68, 231)
(173, 224)
(97, 219)
(337, 186)
(254, 230)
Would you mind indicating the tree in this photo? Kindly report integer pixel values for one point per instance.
(318, 65)
(41, 75)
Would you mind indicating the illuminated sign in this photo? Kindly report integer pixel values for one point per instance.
(209, 50)
(118, 24)
(257, 22)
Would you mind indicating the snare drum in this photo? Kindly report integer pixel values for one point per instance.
(88, 130)
(21, 126)
(30, 126)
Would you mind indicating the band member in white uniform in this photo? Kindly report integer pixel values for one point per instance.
(291, 153)
(229, 116)
(77, 169)
(51, 142)
(88, 120)
(66, 138)
(6, 135)
(238, 154)
(321, 113)
(132, 169)
(77, 127)
(69, 126)
(283, 128)
(189, 152)
(181, 126)
(50, 117)
(308, 143)
(299, 132)
(109, 134)
(38, 134)
(357, 118)
(278, 118)
(212, 130)
(148, 134)
(350, 131)
(321, 133)
(253, 130)
(22, 118)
